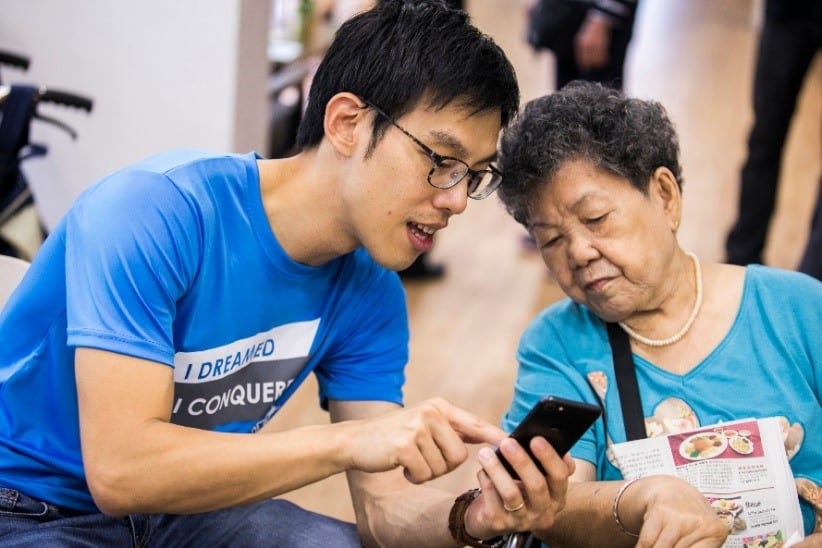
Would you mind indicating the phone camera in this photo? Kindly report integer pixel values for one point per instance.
(560, 409)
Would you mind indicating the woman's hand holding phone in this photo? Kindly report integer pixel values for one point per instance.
(530, 503)
(524, 482)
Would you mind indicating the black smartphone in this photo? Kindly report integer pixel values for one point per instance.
(562, 422)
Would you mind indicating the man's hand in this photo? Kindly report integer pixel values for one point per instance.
(427, 440)
(592, 43)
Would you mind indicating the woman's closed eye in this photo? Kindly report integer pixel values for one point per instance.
(551, 241)
(596, 219)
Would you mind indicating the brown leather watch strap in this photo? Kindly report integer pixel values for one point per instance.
(456, 523)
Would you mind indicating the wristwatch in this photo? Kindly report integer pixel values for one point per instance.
(456, 523)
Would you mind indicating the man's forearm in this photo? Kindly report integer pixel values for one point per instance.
(186, 471)
(413, 516)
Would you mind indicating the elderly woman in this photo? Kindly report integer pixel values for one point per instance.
(595, 177)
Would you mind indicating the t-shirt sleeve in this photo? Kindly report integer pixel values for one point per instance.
(791, 303)
(809, 308)
(368, 356)
(131, 242)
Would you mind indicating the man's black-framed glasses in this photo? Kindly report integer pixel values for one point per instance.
(447, 171)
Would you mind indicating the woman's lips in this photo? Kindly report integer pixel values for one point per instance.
(597, 285)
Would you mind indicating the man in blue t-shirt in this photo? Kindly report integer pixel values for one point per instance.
(182, 300)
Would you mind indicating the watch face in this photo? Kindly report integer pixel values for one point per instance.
(469, 495)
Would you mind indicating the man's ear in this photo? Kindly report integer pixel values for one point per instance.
(664, 188)
(345, 116)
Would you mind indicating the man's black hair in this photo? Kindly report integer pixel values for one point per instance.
(400, 52)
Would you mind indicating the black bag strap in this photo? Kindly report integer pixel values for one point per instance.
(627, 386)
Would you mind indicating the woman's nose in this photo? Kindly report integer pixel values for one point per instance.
(581, 251)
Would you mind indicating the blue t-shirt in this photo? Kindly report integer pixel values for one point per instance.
(173, 260)
(768, 364)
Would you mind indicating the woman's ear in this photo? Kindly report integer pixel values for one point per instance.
(663, 187)
(344, 114)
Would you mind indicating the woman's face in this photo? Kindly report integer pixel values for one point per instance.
(608, 245)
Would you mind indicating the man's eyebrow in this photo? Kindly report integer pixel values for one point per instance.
(447, 140)
(442, 138)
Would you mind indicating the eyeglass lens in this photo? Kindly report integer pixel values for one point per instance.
(451, 171)
(483, 184)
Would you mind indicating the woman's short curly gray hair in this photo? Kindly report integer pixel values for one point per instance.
(625, 136)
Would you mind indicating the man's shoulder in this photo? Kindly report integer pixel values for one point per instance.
(201, 175)
(160, 165)
(168, 161)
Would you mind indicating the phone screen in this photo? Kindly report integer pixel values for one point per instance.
(562, 422)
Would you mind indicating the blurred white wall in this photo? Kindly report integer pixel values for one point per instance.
(162, 74)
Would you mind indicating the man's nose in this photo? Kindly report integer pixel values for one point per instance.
(454, 199)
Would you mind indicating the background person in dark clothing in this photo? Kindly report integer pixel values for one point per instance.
(600, 45)
(790, 39)
(595, 50)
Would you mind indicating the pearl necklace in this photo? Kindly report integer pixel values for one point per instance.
(685, 328)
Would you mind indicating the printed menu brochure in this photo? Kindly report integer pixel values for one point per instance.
(739, 466)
